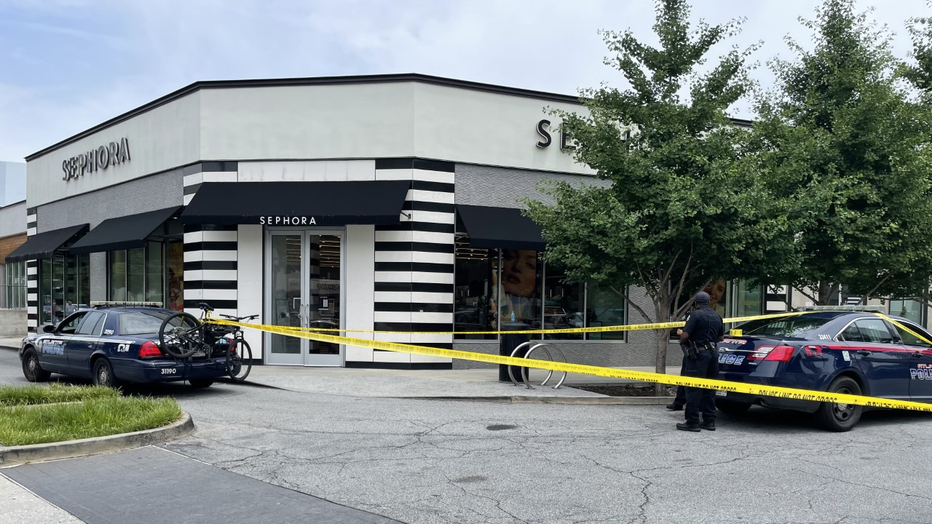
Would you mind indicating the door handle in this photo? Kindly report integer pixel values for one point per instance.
(863, 352)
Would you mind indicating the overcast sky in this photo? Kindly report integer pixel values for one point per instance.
(66, 65)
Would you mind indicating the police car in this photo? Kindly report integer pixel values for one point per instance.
(110, 345)
(838, 350)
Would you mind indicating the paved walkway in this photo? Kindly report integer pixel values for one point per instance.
(134, 486)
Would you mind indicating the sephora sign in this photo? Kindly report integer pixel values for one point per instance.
(112, 154)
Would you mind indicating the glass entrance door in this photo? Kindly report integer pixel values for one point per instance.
(303, 279)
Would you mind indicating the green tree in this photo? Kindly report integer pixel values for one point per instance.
(920, 73)
(842, 139)
(677, 201)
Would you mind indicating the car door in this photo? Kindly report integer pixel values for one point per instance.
(920, 360)
(52, 353)
(82, 344)
(880, 356)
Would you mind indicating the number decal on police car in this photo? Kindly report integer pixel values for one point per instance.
(169, 371)
(731, 359)
(122, 348)
(108, 332)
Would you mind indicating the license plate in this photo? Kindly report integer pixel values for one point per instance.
(721, 393)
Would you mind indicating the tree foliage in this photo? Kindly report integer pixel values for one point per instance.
(841, 139)
(680, 202)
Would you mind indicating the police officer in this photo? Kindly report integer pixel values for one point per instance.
(703, 329)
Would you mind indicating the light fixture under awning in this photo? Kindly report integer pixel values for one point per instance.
(298, 203)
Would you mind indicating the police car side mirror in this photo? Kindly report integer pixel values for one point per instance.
(48, 328)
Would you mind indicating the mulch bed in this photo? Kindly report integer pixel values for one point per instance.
(628, 390)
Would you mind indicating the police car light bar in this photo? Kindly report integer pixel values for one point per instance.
(871, 309)
(123, 303)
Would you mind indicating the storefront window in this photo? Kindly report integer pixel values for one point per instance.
(15, 289)
(563, 305)
(117, 275)
(748, 300)
(473, 290)
(136, 274)
(605, 307)
(175, 263)
(139, 275)
(64, 286)
(908, 308)
(536, 301)
(518, 298)
(155, 285)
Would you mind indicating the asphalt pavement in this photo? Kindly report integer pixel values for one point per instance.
(459, 447)
(82, 489)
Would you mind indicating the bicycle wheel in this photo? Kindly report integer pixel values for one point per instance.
(180, 335)
(239, 360)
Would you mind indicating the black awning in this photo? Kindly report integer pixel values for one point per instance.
(45, 244)
(500, 227)
(123, 232)
(298, 203)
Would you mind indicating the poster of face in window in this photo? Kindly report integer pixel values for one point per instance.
(517, 289)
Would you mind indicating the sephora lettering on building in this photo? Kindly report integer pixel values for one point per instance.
(287, 221)
(112, 154)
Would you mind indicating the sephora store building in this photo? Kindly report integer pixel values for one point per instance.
(366, 203)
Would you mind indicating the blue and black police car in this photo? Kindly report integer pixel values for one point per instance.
(111, 345)
(842, 351)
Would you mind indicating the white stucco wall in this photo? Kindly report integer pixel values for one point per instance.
(316, 122)
(165, 137)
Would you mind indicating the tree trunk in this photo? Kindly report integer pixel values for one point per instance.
(661, 339)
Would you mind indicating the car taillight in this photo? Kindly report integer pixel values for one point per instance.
(149, 349)
(773, 353)
(780, 353)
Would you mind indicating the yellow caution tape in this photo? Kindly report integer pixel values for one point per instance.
(599, 329)
(642, 376)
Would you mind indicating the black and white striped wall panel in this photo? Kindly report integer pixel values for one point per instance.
(210, 251)
(414, 261)
(32, 276)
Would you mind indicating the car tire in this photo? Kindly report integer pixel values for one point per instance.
(835, 416)
(31, 368)
(103, 374)
(731, 407)
(200, 383)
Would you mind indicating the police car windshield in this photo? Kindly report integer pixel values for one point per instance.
(795, 327)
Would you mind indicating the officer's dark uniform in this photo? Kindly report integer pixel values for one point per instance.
(704, 328)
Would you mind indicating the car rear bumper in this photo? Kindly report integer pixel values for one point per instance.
(166, 370)
(767, 401)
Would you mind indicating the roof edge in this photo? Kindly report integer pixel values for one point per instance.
(306, 81)
(320, 81)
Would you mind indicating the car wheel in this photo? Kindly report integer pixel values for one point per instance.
(836, 416)
(200, 383)
(103, 374)
(31, 369)
(731, 407)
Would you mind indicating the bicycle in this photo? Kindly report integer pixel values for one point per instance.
(183, 336)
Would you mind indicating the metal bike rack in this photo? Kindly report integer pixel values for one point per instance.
(524, 370)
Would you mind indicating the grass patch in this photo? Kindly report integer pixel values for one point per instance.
(92, 417)
(51, 394)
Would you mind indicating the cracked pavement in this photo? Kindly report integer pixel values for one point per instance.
(425, 461)
(437, 461)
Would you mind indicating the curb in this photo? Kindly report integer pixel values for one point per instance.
(16, 455)
(605, 401)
